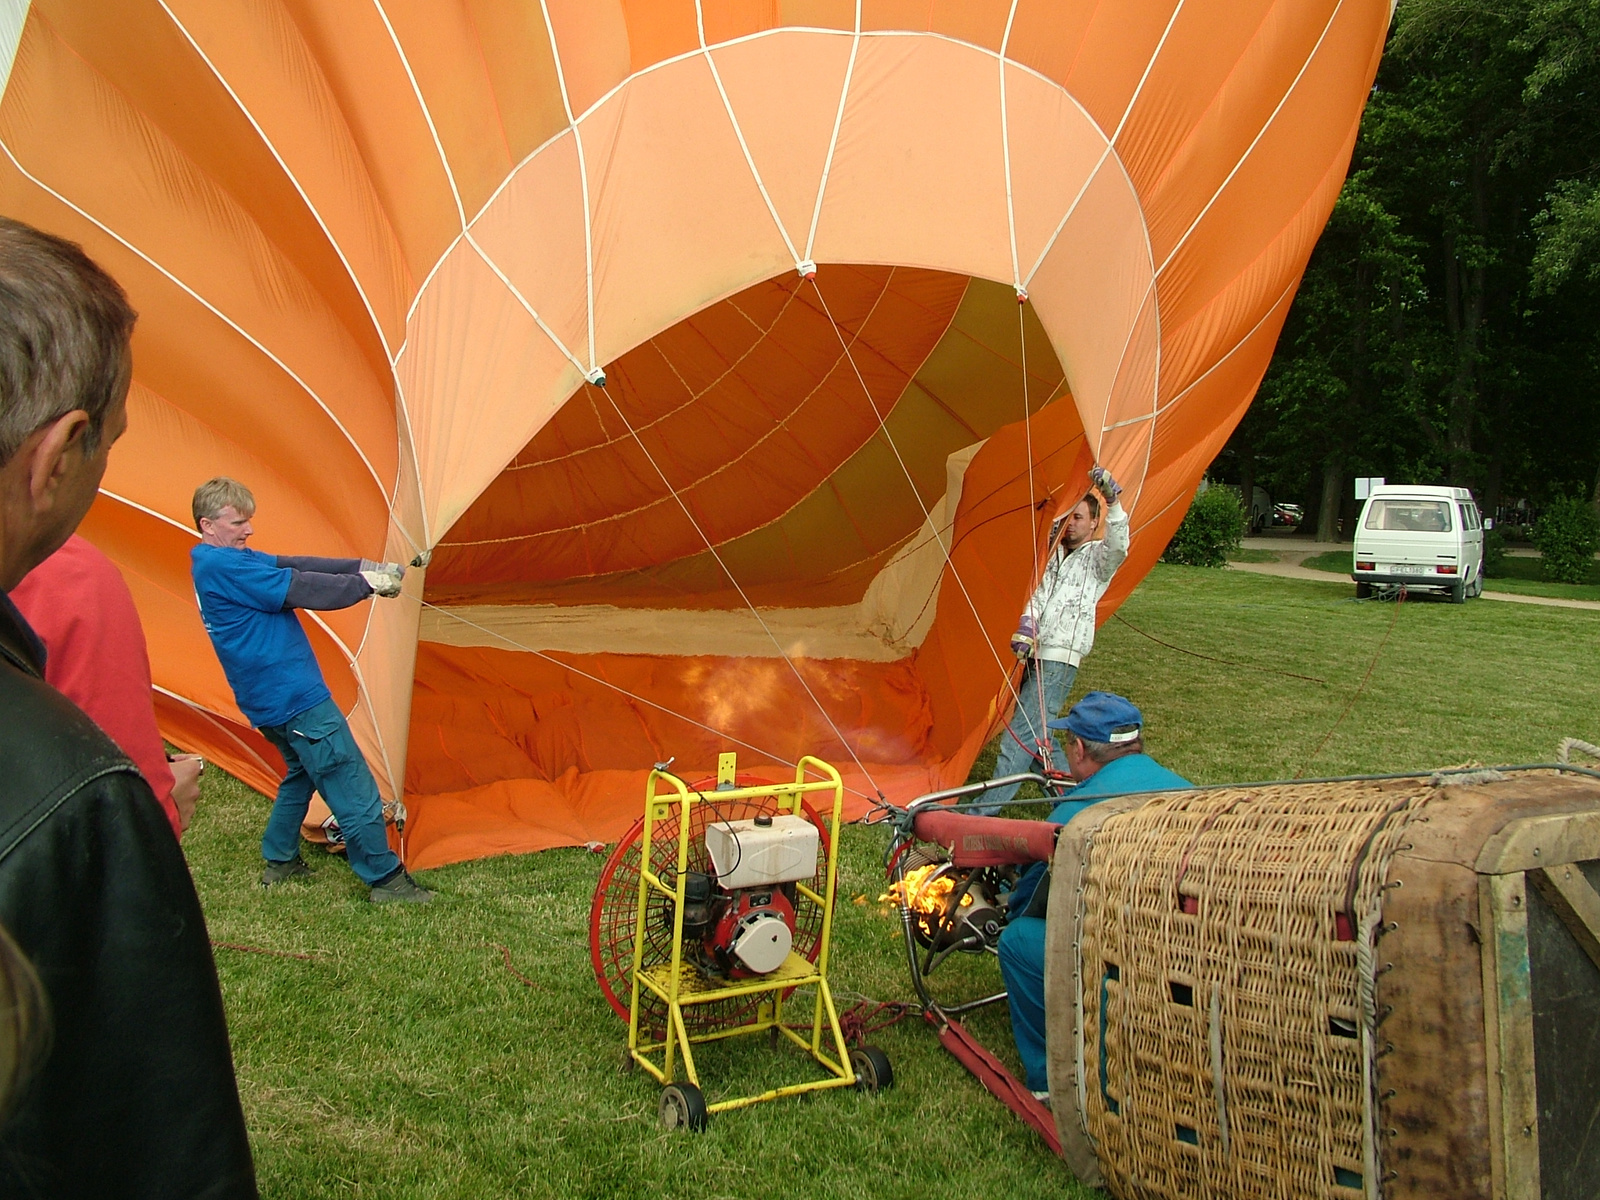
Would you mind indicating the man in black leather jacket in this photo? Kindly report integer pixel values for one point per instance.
(135, 1097)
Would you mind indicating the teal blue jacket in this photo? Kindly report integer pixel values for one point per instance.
(1119, 777)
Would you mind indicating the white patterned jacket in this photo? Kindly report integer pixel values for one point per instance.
(1064, 602)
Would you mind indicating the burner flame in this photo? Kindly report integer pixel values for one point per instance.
(926, 889)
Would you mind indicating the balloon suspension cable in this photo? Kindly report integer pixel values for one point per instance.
(622, 691)
(883, 429)
(754, 611)
(1041, 730)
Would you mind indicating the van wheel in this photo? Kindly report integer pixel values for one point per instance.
(1363, 591)
(1458, 593)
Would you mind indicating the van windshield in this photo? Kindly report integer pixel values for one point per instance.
(1411, 516)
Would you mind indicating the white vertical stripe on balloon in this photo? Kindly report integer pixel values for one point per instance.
(1005, 153)
(427, 115)
(350, 271)
(1106, 153)
(1249, 150)
(833, 140)
(727, 105)
(207, 305)
(583, 177)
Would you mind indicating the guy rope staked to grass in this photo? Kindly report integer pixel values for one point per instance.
(422, 1067)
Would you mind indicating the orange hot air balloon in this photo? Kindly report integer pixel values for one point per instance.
(385, 253)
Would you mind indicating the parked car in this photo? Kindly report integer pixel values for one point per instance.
(1422, 537)
(1260, 510)
(1287, 514)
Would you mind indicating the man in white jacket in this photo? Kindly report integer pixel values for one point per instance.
(1056, 631)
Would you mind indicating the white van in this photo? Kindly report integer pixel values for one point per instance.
(1420, 536)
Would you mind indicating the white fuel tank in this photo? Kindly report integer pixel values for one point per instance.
(751, 854)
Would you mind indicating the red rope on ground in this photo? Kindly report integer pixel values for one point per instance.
(506, 953)
(1399, 600)
(260, 950)
(858, 1022)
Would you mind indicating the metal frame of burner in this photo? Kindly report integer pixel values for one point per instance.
(903, 839)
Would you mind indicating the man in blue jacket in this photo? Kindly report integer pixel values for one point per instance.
(247, 600)
(1107, 758)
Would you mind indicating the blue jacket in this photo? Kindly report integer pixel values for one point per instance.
(1124, 776)
(1119, 777)
(265, 653)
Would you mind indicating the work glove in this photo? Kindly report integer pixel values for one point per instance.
(1107, 486)
(1026, 639)
(385, 579)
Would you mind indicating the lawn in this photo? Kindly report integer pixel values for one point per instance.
(1522, 576)
(402, 1059)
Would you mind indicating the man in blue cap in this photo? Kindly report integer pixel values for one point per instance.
(1106, 755)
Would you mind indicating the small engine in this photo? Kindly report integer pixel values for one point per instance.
(740, 918)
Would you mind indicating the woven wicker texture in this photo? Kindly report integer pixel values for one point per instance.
(1227, 1007)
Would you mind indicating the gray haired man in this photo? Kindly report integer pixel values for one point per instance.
(136, 1095)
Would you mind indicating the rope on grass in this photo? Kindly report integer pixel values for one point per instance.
(870, 1016)
(1225, 662)
(1365, 679)
(1568, 745)
(260, 950)
(505, 952)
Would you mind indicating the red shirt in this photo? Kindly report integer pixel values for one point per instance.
(82, 610)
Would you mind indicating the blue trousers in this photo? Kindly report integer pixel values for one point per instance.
(322, 755)
(1022, 967)
(1045, 684)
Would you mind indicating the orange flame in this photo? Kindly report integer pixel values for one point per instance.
(926, 896)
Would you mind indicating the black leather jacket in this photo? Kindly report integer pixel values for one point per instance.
(137, 1097)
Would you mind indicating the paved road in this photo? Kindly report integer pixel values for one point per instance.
(1295, 551)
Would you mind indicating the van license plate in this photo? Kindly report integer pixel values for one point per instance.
(1408, 569)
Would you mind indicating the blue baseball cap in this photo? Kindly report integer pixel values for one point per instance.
(1102, 717)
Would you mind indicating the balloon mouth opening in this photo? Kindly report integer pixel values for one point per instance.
(776, 448)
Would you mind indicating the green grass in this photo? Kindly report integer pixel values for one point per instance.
(1251, 555)
(1521, 575)
(1337, 562)
(404, 1060)
(1526, 577)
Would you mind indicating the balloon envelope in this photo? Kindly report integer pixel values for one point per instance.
(384, 253)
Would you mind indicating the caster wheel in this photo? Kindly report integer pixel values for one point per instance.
(683, 1107)
(873, 1072)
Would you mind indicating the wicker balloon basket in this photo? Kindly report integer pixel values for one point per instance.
(1362, 989)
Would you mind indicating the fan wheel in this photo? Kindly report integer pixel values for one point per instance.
(613, 914)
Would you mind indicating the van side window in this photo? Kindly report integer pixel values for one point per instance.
(1469, 516)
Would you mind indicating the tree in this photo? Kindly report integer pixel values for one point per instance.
(1444, 329)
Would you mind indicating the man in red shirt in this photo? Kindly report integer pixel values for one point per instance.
(79, 605)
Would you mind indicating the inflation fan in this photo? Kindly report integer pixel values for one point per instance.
(711, 911)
